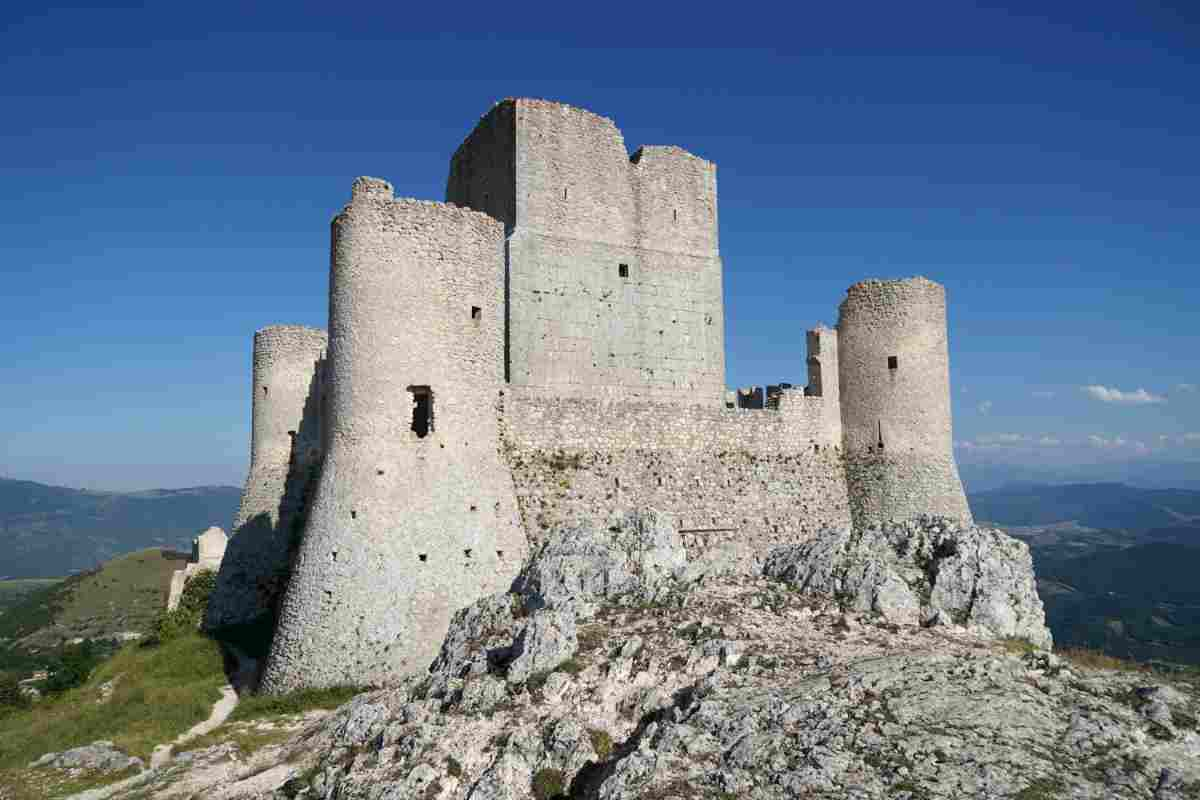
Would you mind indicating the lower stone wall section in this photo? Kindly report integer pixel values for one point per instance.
(737, 481)
(904, 486)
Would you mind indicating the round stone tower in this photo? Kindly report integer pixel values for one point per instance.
(894, 368)
(414, 514)
(285, 450)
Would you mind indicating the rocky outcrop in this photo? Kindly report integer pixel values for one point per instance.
(743, 687)
(512, 637)
(636, 552)
(97, 757)
(930, 571)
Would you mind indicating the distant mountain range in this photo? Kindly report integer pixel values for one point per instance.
(51, 531)
(1094, 505)
(979, 476)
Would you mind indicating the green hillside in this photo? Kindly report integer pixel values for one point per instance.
(14, 592)
(123, 595)
(48, 531)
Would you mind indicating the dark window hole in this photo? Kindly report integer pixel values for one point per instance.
(893, 362)
(378, 472)
(623, 270)
(422, 410)
(265, 391)
(474, 508)
(499, 554)
(353, 515)
(423, 557)
(467, 552)
(476, 313)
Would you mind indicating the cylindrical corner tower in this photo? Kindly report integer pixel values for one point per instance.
(894, 366)
(414, 514)
(285, 451)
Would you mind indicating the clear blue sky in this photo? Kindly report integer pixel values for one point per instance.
(168, 175)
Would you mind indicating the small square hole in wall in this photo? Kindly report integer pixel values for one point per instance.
(476, 313)
(623, 270)
(893, 362)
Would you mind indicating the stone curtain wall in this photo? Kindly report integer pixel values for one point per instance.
(404, 528)
(614, 276)
(285, 452)
(737, 480)
(894, 366)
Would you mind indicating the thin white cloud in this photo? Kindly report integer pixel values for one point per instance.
(1190, 438)
(1049, 441)
(1000, 439)
(1138, 397)
(1104, 443)
(1184, 388)
(985, 407)
(1044, 395)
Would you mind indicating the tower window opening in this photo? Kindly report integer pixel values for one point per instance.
(476, 313)
(423, 557)
(675, 214)
(265, 391)
(893, 362)
(564, 193)
(422, 406)
(623, 270)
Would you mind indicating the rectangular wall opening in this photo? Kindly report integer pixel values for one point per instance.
(422, 410)
(893, 362)
(623, 270)
(476, 313)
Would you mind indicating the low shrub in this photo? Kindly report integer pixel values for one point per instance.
(187, 616)
(547, 784)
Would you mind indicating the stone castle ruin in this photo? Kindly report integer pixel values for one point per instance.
(545, 347)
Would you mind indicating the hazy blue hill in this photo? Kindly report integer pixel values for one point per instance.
(1159, 572)
(50, 531)
(1142, 602)
(1094, 505)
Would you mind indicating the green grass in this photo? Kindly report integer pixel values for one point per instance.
(160, 692)
(247, 740)
(125, 594)
(278, 705)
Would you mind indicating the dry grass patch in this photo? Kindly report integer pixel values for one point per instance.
(1094, 659)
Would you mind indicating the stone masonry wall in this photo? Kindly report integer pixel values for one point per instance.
(738, 481)
(285, 452)
(408, 524)
(613, 269)
(894, 367)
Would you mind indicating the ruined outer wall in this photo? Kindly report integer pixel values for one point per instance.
(737, 480)
(581, 209)
(285, 451)
(896, 422)
(403, 531)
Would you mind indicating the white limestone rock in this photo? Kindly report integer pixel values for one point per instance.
(547, 639)
(929, 571)
(636, 552)
(792, 697)
(99, 756)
